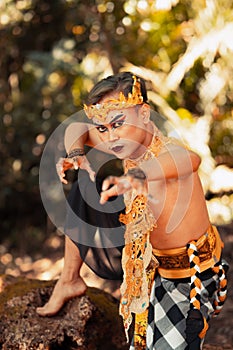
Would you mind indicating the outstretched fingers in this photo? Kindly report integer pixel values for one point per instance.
(120, 186)
(77, 162)
(84, 164)
(110, 180)
(115, 186)
(62, 165)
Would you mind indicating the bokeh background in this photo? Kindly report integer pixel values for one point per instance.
(51, 54)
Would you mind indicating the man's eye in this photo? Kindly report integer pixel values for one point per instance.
(118, 124)
(101, 128)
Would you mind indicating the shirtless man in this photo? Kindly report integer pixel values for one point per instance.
(162, 176)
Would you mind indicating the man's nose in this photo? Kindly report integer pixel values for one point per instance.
(113, 135)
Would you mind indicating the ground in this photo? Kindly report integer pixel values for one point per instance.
(48, 263)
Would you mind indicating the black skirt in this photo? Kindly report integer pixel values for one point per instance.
(93, 227)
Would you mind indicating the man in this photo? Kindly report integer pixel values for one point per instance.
(173, 277)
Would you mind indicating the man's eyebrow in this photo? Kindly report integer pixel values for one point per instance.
(112, 121)
(116, 118)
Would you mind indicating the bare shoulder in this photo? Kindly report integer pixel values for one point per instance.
(179, 152)
(175, 145)
(72, 126)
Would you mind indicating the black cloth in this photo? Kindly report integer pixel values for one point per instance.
(194, 325)
(93, 227)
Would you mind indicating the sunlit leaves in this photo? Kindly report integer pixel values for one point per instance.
(221, 138)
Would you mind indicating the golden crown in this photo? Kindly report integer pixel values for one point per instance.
(100, 110)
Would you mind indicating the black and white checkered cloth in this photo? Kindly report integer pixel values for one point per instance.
(168, 309)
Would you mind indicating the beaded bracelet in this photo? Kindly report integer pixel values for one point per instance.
(76, 152)
(136, 173)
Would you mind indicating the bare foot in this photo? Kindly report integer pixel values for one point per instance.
(63, 291)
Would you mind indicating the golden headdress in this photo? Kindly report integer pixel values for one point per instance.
(100, 110)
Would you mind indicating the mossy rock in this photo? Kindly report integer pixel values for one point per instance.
(88, 322)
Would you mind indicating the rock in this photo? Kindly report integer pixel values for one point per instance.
(88, 322)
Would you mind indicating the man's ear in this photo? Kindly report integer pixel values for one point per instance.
(145, 113)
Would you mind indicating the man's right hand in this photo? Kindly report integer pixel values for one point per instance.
(73, 163)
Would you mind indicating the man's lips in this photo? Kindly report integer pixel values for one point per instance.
(117, 149)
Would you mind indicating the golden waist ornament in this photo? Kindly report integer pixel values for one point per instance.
(174, 263)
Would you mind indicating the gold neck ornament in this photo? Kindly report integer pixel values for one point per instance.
(101, 110)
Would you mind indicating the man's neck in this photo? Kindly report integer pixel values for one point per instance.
(147, 142)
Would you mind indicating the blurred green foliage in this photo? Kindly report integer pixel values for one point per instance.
(45, 75)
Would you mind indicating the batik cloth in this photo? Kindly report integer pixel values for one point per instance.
(170, 304)
(168, 310)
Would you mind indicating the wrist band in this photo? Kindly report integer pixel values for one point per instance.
(76, 152)
(136, 173)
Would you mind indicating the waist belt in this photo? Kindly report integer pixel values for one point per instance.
(174, 263)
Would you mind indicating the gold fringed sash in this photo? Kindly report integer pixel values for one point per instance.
(136, 257)
(141, 320)
(138, 263)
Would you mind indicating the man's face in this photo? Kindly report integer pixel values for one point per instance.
(123, 132)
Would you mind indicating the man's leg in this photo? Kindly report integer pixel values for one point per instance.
(70, 283)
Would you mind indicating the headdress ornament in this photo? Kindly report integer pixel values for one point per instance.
(100, 110)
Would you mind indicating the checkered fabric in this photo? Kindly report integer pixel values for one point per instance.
(169, 306)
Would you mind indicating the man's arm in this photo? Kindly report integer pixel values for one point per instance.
(76, 136)
(173, 163)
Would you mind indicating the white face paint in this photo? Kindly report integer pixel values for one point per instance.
(124, 132)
